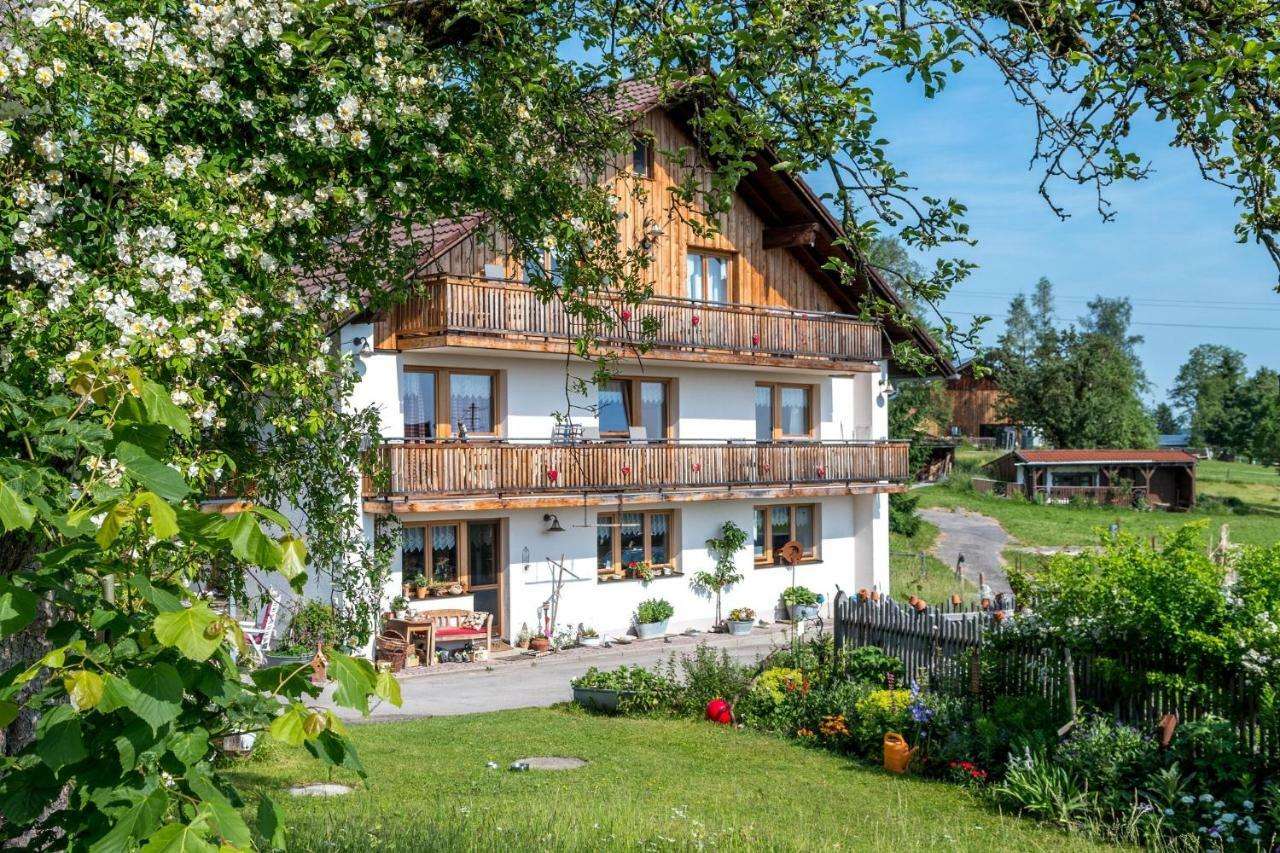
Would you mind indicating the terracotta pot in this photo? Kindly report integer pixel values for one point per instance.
(999, 615)
(986, 604)
(540, 644)
(912, 600)
(955, 600)
(522, 644)
(920, 605)
(420, 592)
(862, 595)
(875, 595)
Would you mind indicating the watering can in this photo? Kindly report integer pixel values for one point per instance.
(897, 755)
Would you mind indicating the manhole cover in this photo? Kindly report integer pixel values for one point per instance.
(320, 789)
(552, 762)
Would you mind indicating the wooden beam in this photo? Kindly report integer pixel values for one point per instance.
(790, 236)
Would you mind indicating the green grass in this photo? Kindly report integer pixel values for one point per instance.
(930, 579)
(1256, 487)
(650, 784)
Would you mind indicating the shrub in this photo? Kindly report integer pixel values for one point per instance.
(870, 664)
(903, 517)
(705, 675)
(1110, 758)
(800, 595)
(1014, 722)
(314, 624)
(1045, 790)
(879, 712)
(654, 610)
(777, 681)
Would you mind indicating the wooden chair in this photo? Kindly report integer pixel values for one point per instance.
(258, 635)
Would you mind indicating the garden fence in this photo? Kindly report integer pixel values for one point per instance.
(976, 651)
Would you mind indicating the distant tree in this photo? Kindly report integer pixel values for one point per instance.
(1167, 422)
(1262, 419)
(1207, 389)
(1078, 387)
(916, 409)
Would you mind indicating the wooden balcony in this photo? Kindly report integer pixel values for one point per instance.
(467, 312)
(413, 476)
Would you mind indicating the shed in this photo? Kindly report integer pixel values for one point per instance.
(1162, 477)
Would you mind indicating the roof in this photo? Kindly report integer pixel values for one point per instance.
(1175, 439)
(1102, 456)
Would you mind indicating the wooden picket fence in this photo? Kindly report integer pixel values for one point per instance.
(974, 651)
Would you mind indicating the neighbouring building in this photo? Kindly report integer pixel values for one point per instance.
(762, 402)
(975, 404)
(1164, 478)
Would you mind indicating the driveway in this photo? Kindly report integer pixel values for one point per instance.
(521, 681)
(980, 538)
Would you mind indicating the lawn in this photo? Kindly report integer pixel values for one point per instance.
(649, 784)
(1257, 490)
(917, 572)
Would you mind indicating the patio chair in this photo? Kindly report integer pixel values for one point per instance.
(257, 635)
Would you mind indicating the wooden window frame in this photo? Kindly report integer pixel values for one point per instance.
(649, 157)
(770, 559)
(613, 520)
(633, 391)
(811, 392)
(730, 259)
(445, 427)
(463, 546)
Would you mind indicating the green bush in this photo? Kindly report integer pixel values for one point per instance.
(1110, 758)
(903, 515)
(705, 675)
(313, 625)
(1014, 723)
(653, 610)
(870, 664)
(1045, 790)
(801, 595)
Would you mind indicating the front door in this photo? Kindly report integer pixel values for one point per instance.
(486, 570)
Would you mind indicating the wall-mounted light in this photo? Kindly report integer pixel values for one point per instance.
(524, 556)
(361, 347)
(553, 523)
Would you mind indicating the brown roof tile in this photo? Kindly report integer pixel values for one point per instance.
(1103, 457)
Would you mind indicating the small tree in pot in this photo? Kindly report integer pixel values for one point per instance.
(724, 548)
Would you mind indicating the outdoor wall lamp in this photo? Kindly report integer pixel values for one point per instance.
(524, 555)
(361, 347)
(553, 523)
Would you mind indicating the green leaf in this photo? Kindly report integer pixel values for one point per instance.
(195, 631)
(289, 726)
(58, 738)
(164, 521)
(156, 476)
(17, 608)
(225, 818)
(190, 747)
(249, 543)
(160, 408)
(15, 513)
(112, 523)
(356, 681)
(158, 693)
(294, 561)
(387, 687)
(84, 687)
(270, 823)
(289, 680)
(334, 749)
(8, 712)
(182, 838)
(137, 821)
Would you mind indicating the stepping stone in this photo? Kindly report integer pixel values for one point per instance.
(320, 789)
(552, 762)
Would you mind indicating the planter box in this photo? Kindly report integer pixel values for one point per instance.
(591, 642)
(740, 629)
(650, 630)
(802, 611)
(596, 698)
(293, 660)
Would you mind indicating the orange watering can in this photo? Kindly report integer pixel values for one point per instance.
(897, 755)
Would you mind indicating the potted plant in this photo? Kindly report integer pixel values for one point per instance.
(589, 637)
(802, 602)
(411, 658)
(539, 643)
(525, 635)
(651, 618)
(741, 621)
(420, 586)
(399, 607)
(293, 654)
(731, 540)
(602, 690)
(642, 570)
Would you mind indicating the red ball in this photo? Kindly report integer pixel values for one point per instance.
(718, 711)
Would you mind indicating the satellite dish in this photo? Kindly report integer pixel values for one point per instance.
(791, 553)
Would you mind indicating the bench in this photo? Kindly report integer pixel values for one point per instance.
(449, 625)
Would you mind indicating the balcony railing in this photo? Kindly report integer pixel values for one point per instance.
(425, 468)
(512, 316)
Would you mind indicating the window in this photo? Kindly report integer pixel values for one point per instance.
(625, 403)
(783, 411)
(440, 403)
(707, 277)
(777, 525)
(623, 541)
(642, 158)
(463, 551)
(546, 264)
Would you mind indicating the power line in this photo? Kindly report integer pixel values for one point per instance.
(1142, 303)
(1057, 298)
(1170, 325)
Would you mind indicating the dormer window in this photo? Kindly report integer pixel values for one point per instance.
(642, 157)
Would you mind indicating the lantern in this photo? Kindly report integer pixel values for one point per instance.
(718, 711)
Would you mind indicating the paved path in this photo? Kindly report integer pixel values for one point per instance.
(980, 538)
(524, 682)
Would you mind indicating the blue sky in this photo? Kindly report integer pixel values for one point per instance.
(1170, 248)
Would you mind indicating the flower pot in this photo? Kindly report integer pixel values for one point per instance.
(802, 611)
(597, 698)
(875, 595)
(420, 592)
(455, 589)
(291, 660)
(540, 644)
(650, 630)
(862, 595)
(591, 642)
(741, 629)
(920, 605)
(522, 644)
(955, 600)
(986, 604)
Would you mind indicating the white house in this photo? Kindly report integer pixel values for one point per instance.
(762, 402)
